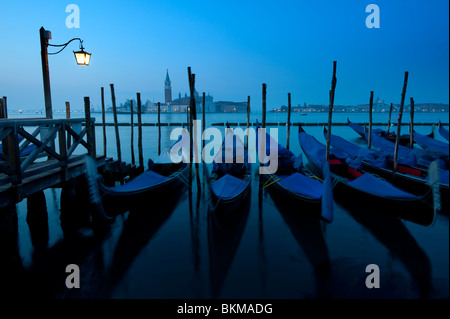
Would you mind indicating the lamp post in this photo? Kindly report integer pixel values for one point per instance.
(81, 57)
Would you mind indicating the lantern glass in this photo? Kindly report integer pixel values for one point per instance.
(82, 57)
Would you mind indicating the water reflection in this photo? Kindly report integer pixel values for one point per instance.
(194, 222)
(308, 230)
(37, 220)
(140, 226)
(46, 278)
(392, 233)
(262, 261)
(11, 268)
(225, 227)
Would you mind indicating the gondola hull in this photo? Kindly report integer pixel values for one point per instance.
(361, 194)
(362, 131)
(410, 179)
(230, 201)
(117, 202)
(304, 203)
(411, 184)
(415, 210)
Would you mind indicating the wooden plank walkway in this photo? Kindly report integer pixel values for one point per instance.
(40, 176)
(36, 154)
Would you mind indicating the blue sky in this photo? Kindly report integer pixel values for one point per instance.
(232, 47)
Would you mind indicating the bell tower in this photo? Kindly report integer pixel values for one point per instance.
(167, 89)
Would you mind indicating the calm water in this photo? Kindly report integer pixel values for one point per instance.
(280, 250)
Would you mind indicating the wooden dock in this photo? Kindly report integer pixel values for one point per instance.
(42, 153)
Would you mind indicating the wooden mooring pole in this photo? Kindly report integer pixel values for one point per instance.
(262, 138)
(203, 118)
(103, 120)
(69, 137)
(389, 120)
(132, 133)
(248, 119)
(411, 124)
(330, 110)
(399, 122)
(188, 116)
(159, 128)
(4, 115)
(193, 130)
(191, 79)
(288, 124)
(139, 116)
(3, 108)
(369, 145)
(90, 128)
(116, 127)
(264, 92)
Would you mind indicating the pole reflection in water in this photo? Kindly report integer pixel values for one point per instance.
(142, 223)
(261, 246)
(308, 230)
(226, 225)
(194, 221)
(37, 220)
(392, 233)
(11, 267)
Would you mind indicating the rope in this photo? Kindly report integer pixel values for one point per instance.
(314, 176)
(268, 180)
(184, 180)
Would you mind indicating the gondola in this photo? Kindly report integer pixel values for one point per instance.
(411, 179)
(390, 136)
(416, 157)
(293, 181)
(442, 131)
(25, 150)
(431, 144)
(361, 187)
(230, 178)
(162, 177)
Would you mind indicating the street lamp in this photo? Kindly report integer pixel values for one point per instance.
(82, 58)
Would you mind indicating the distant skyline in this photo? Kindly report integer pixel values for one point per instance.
(232, 47)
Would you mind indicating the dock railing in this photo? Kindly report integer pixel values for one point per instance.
(25, 141)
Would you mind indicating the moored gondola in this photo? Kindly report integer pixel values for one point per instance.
(411, 179)
(294, 182)
(431, 144)
(162, 177)
(390, 136)
(230, 179)
(361, 187)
